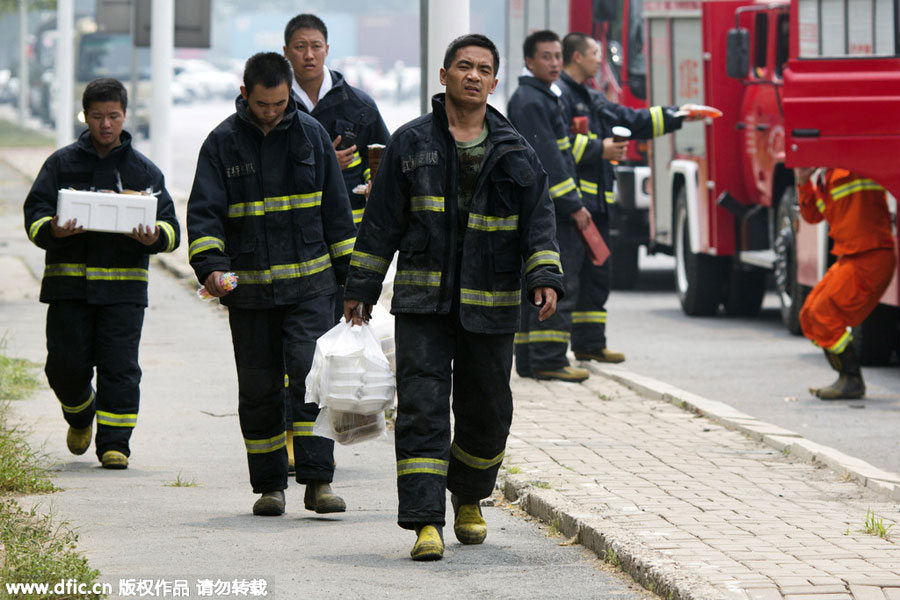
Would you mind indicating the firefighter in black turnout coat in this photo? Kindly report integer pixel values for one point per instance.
(537, 113)
(269, 204)
(592, 153)
(464, 199)
(96, 283)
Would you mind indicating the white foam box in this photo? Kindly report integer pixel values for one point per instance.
(102, 211)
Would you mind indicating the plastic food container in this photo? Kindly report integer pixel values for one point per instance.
(101, 211)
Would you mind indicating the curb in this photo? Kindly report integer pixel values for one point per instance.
(616, 545)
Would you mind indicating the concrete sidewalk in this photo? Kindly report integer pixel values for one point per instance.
(691, 497)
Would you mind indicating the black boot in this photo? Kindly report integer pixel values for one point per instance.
(849, 384)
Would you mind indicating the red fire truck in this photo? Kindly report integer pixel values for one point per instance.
(805, 83)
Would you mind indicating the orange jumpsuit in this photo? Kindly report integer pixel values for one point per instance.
(860, 225)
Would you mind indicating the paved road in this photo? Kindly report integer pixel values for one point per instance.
(754, 365)
(133, 525)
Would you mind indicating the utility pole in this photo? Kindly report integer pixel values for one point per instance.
(65, 68)
(162, 51)
(441, 22)
(23, 61)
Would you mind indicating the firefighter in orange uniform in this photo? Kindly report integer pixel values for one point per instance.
(860, 224)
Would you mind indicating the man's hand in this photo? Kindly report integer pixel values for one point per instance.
(613, 150)
(214, 286)
(802, 175)
(353, 314)
(582, 218)
(60, 231)
(545, 297)
(145, 235)
(345, 156)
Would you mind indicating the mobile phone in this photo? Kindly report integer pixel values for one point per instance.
(348, 138)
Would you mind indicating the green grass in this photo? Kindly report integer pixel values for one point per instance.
(514, 470)
(875, 526)
(33, 549)
(179, 482)
(13, 135)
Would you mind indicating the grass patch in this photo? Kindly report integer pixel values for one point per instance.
(33, 549)
(875, 526)
(179, 482)
(543, 485)
(514, 470)
(15, 135)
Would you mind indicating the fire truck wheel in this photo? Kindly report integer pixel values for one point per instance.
(744, 295)
(698, 277)
(790, 293)
(878, 336)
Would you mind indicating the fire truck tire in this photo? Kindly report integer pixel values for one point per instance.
(745, 291)
(791, 294)
(878, 336)
(698, 277)
(624, 266)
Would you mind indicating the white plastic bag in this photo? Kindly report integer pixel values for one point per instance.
(352, 381)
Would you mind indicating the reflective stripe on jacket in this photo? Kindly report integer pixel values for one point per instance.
(511, 228)
(271, 208)
(97, 267)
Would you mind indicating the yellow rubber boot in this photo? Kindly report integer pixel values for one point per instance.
(469, 526)
(79, 439)
(289, 440)
(429, 544)
(113, 459)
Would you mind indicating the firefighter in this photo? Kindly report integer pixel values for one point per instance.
(348, 114)
(535, 110)
(859, 223)
(592, 153)
(464, 199)
(95, 284)
(268, 203)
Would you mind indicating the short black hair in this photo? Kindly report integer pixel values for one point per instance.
(471, 39)
(304, 21)
(270, 69)
(105, 89)
(535, 38)
(572, 43)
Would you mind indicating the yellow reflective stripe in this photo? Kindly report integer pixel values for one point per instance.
(579, 147)
(342, 248)
(491, 299)
(562, 188)
(367, 175)
(287, 380)
(116, 420)
(420, 278)
(369, 261)
(820, 204)
(486, 223)
(841, 344)
(358, 215)
(289, 271)
(264, 446)
(543, 257)
(473, 461)
(432, 203)
(589, 316)
(593, 136)
(77, 409)
(36, 226)
(206, 243)
(275, 204)
(564, 144)
(167, 229)
(656, 116)
(589, 187)
(542, 337)
(857, 185)
(98, 274)
(357, 160)
(65, 270)
(610, 197)
(303, 428)
(433, 466)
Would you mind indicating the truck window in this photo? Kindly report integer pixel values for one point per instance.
(782, 43)
(761, 43)
(637, 59)
(109, 55)
(837, 28)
